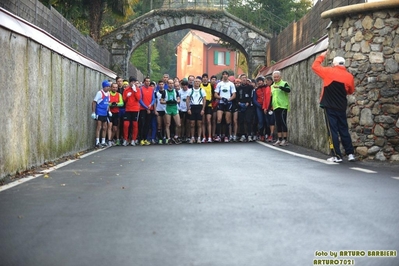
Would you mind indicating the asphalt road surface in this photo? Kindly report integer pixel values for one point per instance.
(210, 204)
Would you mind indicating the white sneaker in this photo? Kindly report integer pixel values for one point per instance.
(283, 143)
(277, 143)
(249, 138)
(334, 159)
(133, 143)
(209, 140)
(351, 157)
(242, 139)
(124, 143)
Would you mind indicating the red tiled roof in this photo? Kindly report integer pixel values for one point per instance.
(205, 37)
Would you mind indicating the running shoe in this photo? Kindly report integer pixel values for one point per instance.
(351, 157)
(334, 159)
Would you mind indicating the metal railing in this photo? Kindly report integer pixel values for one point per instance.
(209, 4)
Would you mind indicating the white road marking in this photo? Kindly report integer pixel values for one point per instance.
(363, 170)
(395, 177)
(298, 154)
(46, 171)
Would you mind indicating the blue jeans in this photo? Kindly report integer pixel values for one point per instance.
(339, 127)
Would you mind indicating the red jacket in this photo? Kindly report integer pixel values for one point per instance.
(147, 97)
(131, 99)
(337, 83)
(267, 98)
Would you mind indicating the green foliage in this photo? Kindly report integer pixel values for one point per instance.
(140, 60)
(269, 15)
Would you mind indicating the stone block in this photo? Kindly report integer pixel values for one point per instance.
(388, 92)
(365, 46)
(367, 22)
(390, 132)
(378, 39)
(379, 131)
(376, 57)
(391, 65)
(366, 117)
(394, 21)
(390, 108)
(380, 156)
(359, 36)
(379, 142)
(362, 151)
(384, 119)
(394, 157)
(373, 150)
(375, 47)
(358, 56)
(355, 47)
(379, 23)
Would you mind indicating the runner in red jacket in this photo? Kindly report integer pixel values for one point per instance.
(337, 83)
(131, 98)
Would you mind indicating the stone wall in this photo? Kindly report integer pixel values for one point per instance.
(46, 104)
(369, 41)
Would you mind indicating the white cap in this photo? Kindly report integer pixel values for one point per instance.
(338, 60)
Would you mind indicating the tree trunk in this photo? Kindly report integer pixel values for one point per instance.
(96, 9)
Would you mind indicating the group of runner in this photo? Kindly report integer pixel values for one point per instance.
(192, 110)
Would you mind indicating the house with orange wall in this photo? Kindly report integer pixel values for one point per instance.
(199, 52)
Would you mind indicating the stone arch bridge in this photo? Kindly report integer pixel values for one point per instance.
(248, 39)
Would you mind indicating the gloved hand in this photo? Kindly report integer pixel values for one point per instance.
(243, 107)
(270, 112)
(94, 116)
(113, 104)
(109, 114)
(134, 89)
(129, 94)
(224, 100)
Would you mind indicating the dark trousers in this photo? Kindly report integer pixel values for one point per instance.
(144, 124)
(339, 128)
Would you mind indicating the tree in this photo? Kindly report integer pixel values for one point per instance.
(270, 15)
(92, 11)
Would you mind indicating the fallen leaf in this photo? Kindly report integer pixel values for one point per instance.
(117, 174)
(62, 185)
(142, 160)
(20, 217)
(46, 176)
(123, 187)
(76, 173)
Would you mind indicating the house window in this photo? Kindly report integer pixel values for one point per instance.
(222, 58)
(189, 59)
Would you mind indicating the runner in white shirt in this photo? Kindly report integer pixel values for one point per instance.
(196, 103)
(160, 111)
(225, 91)
(185, 123)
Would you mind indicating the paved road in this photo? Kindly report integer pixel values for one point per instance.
(211, 204)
